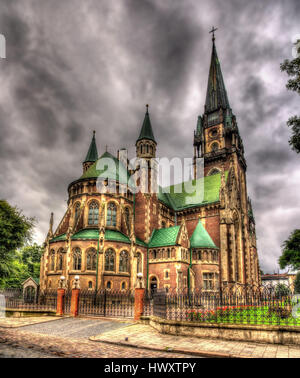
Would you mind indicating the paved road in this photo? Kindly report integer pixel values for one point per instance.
(68, 337)
(76, 327)
(7, 351)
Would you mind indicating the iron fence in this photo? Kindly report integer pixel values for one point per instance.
(106, 303)
(243, 305)
(42, 300)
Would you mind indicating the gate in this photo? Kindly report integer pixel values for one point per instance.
(106, 303)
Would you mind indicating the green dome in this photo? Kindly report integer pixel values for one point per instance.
(109, 167)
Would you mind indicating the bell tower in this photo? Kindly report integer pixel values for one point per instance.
(217, 137)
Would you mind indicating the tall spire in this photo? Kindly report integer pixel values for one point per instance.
(146, 131)
(216, 96)
(92, 154)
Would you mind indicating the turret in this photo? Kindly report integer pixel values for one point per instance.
(92, 154)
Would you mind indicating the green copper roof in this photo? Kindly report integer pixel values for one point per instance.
(109, 167)
(146, 132)
(92, 233)
(92, 154)
(59, 238)
(111, 235)
(201, 238)
(190, 194)
(216, 96)
(164, 237)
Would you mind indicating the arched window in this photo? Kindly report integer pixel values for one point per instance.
(108, 285)
(163, 224)
(111, 219)
(60, 259)
(151, 150)
(77, 259)
(147, 148)
(110, 260)
(93, 213)
(168, 253)
(139, 263)
(77, 211)
(124, 262)
(50, 284)
(52, 260)
(214, 146)
(214, 171)
(123, 286)
(90, 284)
(91, 259)
(127, 217)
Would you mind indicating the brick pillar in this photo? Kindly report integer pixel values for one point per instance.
(138, 303)
(60, 302)
(74, 302)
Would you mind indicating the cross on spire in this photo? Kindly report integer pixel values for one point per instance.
(213, 33)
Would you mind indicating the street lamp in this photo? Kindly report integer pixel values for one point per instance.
(76, 282)
(140, 283)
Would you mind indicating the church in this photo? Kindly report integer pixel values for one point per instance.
(110, 239)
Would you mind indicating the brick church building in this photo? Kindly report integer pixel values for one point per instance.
(107, 238)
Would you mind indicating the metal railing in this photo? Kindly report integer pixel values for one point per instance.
(243, 305)
(41, 300)
(114, 303)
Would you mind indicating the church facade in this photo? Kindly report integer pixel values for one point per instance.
(107, 238)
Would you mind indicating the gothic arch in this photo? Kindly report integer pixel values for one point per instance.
(214, 171)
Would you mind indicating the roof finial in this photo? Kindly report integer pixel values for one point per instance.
(213, 33)
(106, 146)
(94, 132)
(147, 107)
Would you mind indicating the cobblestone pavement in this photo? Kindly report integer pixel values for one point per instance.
(17, 352)
(13, 322)
(144, 336)
(77, 327)
(15, 338)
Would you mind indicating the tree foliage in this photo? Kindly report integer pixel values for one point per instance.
(297, 283)
(291, 252)
(18, 260)
(292, 68)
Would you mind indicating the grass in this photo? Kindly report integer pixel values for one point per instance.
(264, 315)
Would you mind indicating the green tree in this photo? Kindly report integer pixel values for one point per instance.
(297, 283)
(282, 290)
(292, 68)
(31, 256)
(15, 232)
(291, 252)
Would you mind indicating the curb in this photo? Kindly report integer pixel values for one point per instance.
(199, 353)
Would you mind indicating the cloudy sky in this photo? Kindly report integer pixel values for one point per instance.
(73, 66)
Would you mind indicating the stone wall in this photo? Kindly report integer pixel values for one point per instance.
(256, 333)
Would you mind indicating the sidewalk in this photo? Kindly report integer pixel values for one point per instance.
(24, 321)
(145, 337)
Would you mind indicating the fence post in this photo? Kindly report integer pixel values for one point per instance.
(74, 302)
(60, 302)
(139, 294)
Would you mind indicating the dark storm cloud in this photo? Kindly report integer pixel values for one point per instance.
(76, 66)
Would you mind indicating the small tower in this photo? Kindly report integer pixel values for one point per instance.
(146, 144)
(146, 218)
(92, 154)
